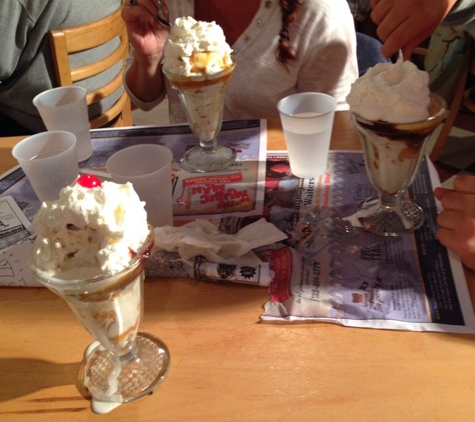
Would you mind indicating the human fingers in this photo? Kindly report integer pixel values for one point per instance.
(456, 228)
(462, 183)
(398, 27)
(150, 5)
(407, 50)
(439, 192)
(459, 201)
(404, 24)
(380, 9)
(451, 219)
(448, 238)
(145, 10)
(428, 13)
(374, 3)
(469, 262)
(465, 183)
(134, 14)
(146, 34)
(405, 39)
(464, 248)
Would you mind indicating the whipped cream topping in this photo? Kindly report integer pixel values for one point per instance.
(90, 231)
(394, 93)
(196, 48)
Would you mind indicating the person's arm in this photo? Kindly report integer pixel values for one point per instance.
(404, 24)
(330, 65)
(144, 78)
(457, 220)
(147, 36)
(16, 25)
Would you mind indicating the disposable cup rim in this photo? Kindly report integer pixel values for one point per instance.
(307, 94)
(111, 162)
(36, 99)
(43, 135)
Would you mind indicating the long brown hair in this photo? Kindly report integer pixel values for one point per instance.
(285, 51)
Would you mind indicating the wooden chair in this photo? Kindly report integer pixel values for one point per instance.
(447, 59)
(67, 41)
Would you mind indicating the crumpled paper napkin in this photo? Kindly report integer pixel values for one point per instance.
(201, 237)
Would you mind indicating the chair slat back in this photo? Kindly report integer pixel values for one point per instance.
(67, 41)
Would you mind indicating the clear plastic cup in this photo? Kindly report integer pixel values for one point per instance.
(149, 168)
(49, 161)
(307, 121)
(65, 108)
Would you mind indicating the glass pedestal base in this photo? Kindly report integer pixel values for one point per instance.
(202, 160)
(110, 379)
(376, 218)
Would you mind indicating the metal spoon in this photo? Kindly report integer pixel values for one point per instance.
(161, 16)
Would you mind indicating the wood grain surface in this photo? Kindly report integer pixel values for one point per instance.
(226, 365)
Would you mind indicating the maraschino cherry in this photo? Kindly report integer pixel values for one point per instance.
(89, 181)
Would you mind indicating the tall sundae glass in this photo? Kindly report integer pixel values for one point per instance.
(123, 364)
(203, 102)
(197, 61)
(392, 154)
(394, 113)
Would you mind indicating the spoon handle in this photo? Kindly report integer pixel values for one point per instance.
(161, 16)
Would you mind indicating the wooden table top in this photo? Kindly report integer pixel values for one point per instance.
(226, 365)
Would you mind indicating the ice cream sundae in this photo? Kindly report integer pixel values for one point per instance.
(93, 229)
(95, 234)
(91, 248)
(394, 93)
(394, 112)
(196, 50)
(198, 63)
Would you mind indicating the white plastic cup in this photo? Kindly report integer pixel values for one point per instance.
(65, 108)
(307, 121)
(149, 168)
(49, 161)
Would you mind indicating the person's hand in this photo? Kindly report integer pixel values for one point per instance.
(404, 24)
(146, 34)
(457, 220)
